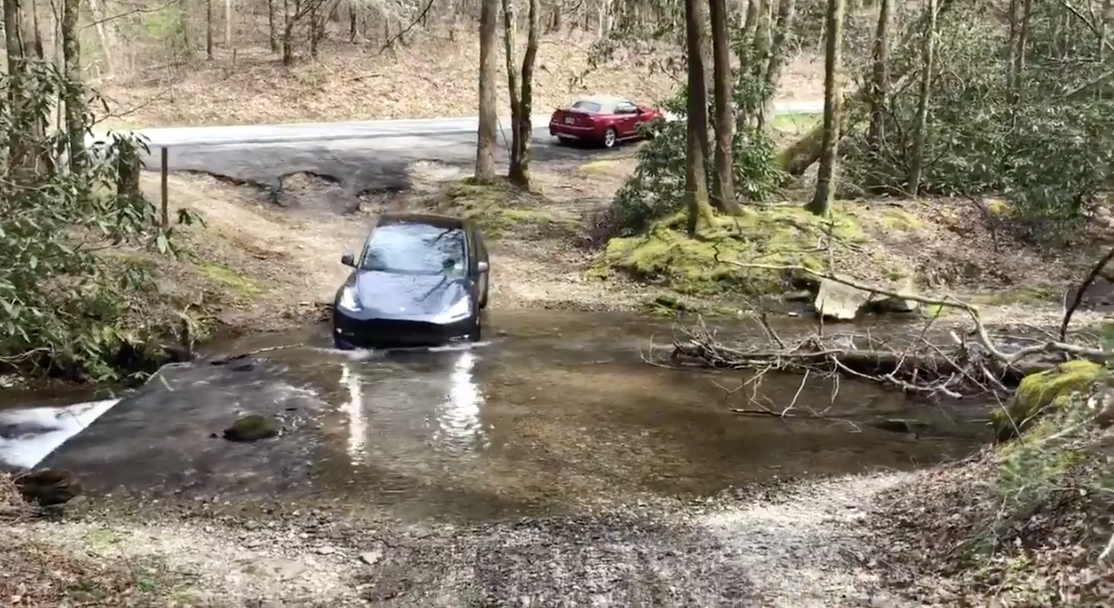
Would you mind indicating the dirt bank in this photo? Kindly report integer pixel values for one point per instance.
(431, 77)
(262, 266)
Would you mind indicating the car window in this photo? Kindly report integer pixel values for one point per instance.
(625, 107)
(586, 106)
(415, 249)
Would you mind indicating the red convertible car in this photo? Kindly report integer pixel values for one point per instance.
(601, 119)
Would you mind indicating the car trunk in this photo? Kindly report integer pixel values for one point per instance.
(574, 118)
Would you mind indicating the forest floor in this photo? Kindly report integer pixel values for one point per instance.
(433, 77)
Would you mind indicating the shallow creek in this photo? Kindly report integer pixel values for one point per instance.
(555, 412)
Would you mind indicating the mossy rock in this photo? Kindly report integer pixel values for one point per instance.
(782, 235)
(498, 208)
(252, 427)
(1038, 393)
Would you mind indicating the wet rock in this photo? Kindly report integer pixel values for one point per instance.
(371, 557)
(48, 487)
(252, 427)
(839, 302)
(285, 569)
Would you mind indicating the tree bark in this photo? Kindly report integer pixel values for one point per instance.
(228, 23)
(833, 98)
(74, 93)
(272, 28)
(879, 79)
(287, 32)
(1104, 28)
(696, 175)
(524, 127)
(209, 29)
(723, 179)
(13, 39)
(920, 129)
(786, 15)
(486, 133)
(510, 41)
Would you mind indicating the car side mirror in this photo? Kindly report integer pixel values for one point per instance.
(348, 260)
(482, 266)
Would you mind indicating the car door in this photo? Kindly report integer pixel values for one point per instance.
(628, 118)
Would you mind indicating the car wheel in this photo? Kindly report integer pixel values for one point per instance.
(610, 138)
(341, 344)
(477, 329)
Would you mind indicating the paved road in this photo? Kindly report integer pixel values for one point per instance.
(370, 156)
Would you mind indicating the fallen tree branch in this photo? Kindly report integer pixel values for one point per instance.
(953, 367)
(1096, 270)
(1009, 359)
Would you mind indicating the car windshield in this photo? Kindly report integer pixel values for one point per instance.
(586, 106)
(415, 249)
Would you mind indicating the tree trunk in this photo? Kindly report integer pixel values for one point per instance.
(510, 41)
(1022, 39)
(287, 33)
(209, 29)
(920, 129)
(524, 128)
(723, 179)
(879, 79)
(13, 39)
(1104, 28)
(272, 29)
(786, 15)
(833, 97)
(74, 93)
(354, 25)
(486, 133)
(1011, 45)
(102, 34)
(228, 23)
(696, 176)
(799, 156)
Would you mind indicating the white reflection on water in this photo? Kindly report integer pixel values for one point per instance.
(354, 407)
(458, 416)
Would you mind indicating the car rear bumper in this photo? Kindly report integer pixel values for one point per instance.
(398, 333)
(560, 129)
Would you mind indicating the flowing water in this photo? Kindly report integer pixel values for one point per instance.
(557, 411)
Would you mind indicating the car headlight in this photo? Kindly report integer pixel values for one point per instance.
(456, 312)
(347, 300)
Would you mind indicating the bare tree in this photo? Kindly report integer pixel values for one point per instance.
(696, 176)
(877, 89)
(723, 180)
(486, 134)
(73, 100)
(520, 84)
(833, 100)
(920, 129)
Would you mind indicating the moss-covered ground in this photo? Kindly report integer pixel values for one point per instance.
(711, 264)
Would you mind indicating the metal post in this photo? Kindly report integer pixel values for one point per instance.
(165, 189)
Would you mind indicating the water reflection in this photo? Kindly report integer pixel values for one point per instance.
(354, 408)
(458, 417)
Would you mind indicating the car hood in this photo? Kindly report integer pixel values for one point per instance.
(409, 296)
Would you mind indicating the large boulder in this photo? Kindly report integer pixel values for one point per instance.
(1042, 392)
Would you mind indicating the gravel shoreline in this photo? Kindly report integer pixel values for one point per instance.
(800, 546)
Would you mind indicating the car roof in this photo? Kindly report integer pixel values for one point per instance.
(606, 102)
(429, 219)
